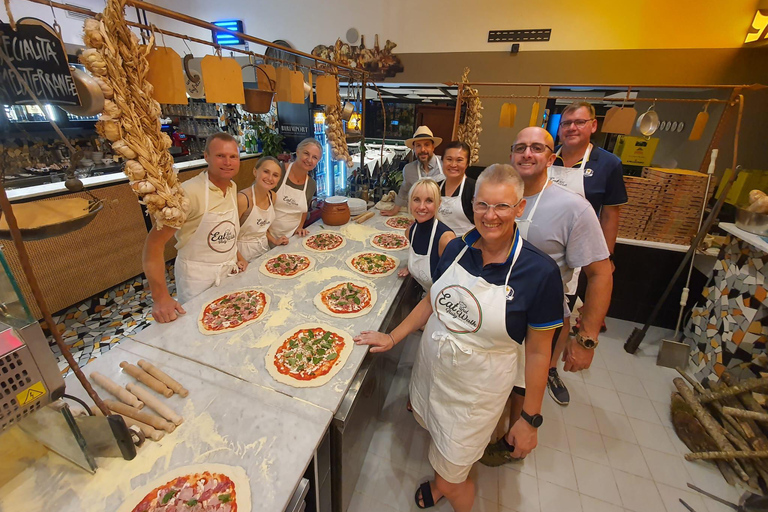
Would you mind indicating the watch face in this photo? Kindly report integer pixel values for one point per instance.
(538, 419)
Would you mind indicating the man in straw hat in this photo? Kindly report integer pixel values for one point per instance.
(426, 165)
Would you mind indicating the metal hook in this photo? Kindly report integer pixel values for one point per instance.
(184, 40)
(56, 25)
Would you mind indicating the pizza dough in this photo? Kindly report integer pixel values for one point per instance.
(237, 474)
(323, 234)
(373, 254)
(263, 266)
(399, 222)
(223, 309)
(322, 306)
(341, 360)
(399, 237)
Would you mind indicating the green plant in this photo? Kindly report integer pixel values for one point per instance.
(271, 141)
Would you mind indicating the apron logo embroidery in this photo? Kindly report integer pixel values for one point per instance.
(588, 173)
(457, 305)
(510, 293)
(444, 210)
(263, 222)
(289, 200)
(222, 237)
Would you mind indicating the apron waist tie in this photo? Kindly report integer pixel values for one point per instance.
(442, 337)
(229, 266)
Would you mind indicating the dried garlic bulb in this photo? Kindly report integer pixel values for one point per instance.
(134, 170)
(122, 147)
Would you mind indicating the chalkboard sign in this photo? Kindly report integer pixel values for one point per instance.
(37, 52)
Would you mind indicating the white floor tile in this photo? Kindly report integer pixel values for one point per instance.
(666, 469)
(527, 465)
(640, 408)
(596, 480)
(706, 476)
(676, 442)
(551, 410)
(653, 436)
(483, 505)
(555, 467)
(393, 486)
(659, 390)
(363, 503)
(587, 445)
(620, 362)
(578, 392)
(554, 498)
(628, 384)
(581, 416)
(486, 482)
(518, 491)
(626, 457)
(592, 505)
(598, 377)
(671, 497)
(553, 434)
(604, 398)
(614, 425)
(662, 411)
(638, 494)
(598, 361)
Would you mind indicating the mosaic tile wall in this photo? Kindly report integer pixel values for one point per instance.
(101, 322)
(731, 330)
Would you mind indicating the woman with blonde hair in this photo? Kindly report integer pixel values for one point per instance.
(428, 236)
(255, 208)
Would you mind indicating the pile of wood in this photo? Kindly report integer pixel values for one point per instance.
(676, 218)
(642, 199)
(725, 424)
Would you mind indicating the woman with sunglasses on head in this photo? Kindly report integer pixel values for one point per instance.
(492, 290)
(457, 190)
(428, 235)
(255, 207)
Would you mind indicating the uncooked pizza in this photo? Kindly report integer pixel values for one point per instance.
(194, 489)
(390, 241)
(233, 311)
(373, 264)
(346, 299)
(399, 222)
(309, 355)
(324, 242)
(287, 266)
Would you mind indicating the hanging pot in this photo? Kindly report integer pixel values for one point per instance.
(648, 122)
(259, 101)
(619, 120)
(699, 124)
(91, 95)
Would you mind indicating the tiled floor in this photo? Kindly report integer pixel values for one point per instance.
(611, 450)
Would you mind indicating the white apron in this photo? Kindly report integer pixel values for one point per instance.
(210, 253)
(418, 264)
(452, 213)
(571, 178)
(252, 241)
(524, 224)
(467, 363)
(289, 206)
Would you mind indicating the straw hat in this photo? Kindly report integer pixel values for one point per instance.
(423, 132)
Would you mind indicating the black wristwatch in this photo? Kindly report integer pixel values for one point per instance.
(534, 420)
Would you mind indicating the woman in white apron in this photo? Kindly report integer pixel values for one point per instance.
(256, 212)
(424, 200)
(457, 190)
(291, 205)
(466, 365)
(210, 254)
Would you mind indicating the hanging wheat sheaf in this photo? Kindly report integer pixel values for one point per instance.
(131, 118)
(469, 131)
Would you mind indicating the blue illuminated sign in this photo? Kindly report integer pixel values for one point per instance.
(228, 39)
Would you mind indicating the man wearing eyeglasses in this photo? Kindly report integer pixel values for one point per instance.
(596, 175)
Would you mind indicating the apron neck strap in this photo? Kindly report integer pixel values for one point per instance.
(538, 198)
(517, 247)
(584, 159)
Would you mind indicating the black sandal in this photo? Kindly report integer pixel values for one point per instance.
(424, 493)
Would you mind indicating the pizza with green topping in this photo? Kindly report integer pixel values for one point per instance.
(309, 355)
(390, 241)
(346, 299)
(324, 242)
(399, 222)
(233, 311)
(287, 266)
(373, 264)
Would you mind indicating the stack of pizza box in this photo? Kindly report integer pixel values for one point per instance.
(676, 217)
(642, 200)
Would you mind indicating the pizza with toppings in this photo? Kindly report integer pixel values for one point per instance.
(373, 264)
(324, 242)
(233, 311)
(346, 299)
(309, 355)
(399, 222)
(286, 266)
(200, 488)
(390, 241)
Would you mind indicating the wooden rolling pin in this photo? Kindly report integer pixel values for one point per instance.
(145, 378)
(364, 217)
(117, 390)
(155, 404)
(144, 417)
(148, 431)
(163, 377)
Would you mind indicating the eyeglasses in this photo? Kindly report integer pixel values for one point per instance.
(536, 147)
(501, 209)
(580, 123)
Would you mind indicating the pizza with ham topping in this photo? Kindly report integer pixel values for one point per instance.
(390, 241)
(399, 222)
(199, 492)
(233, 311)
(286, 266)
(373, 264)
(346, 299)
(324, 242)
